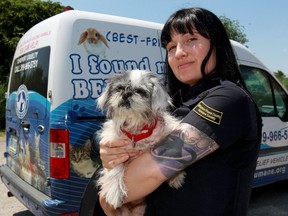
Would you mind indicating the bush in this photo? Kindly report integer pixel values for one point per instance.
(3, 89)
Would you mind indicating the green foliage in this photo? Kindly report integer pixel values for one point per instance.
(234, 30)
(3, 87)
(17, 17)
(282, 78)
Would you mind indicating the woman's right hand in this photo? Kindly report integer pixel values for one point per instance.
(115, 153)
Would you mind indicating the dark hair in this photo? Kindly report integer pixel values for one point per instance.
(209, 26)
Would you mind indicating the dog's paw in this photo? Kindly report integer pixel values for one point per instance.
(115, 195)
(112, 185)
(177, 181)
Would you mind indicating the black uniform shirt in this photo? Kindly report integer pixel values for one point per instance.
(220, 183)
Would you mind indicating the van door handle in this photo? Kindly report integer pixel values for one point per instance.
(25, 125)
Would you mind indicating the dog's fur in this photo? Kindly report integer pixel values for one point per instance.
(94, 42)
(133, 99)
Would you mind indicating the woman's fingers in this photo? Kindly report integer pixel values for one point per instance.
(117, 161)
(118, 144)
(115, 153)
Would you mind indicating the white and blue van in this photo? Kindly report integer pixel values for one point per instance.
(58, 72)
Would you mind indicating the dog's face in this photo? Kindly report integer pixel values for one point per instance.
(134, 94)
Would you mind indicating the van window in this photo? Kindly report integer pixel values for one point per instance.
(267, 93)
(280, 98)
(31, 69)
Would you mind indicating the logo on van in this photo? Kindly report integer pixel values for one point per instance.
(22, 101)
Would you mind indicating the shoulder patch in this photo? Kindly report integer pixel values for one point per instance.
(208, 113)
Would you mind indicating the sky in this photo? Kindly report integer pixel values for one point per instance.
(263, 21)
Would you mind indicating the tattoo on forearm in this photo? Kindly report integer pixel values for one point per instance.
(182, 147)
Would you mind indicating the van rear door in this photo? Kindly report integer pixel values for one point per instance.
(27, 109)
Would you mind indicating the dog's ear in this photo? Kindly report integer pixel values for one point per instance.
(83, 37)
(160, 98)
(103, 39)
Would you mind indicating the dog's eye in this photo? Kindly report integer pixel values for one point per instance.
(119, 88)
(141, 92)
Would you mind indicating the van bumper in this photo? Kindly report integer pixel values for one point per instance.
(30, 197)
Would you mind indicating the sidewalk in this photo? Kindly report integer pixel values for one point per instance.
(2, 138)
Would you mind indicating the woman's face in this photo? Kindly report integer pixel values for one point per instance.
(185, 56)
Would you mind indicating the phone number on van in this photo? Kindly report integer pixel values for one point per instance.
(275, 135)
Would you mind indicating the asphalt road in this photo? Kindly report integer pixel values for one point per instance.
(270, 200)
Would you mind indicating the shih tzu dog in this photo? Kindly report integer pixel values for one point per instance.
(137, 107)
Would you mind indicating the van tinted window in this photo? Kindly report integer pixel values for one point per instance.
(280, 98)
(267, 93)
(31, 69)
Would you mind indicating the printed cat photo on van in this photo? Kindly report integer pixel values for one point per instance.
(94, 42)
(81, 161)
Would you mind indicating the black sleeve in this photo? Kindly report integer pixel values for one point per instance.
(223, 115)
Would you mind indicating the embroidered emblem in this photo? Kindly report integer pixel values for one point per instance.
(208, 113)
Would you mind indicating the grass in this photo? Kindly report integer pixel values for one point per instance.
(2, 133)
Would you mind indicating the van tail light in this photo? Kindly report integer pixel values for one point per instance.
(59, 153)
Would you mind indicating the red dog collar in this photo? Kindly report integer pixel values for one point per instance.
(147, 132)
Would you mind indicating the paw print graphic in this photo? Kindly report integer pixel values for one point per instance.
(76, 112)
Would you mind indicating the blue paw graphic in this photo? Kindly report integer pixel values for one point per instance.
(76, 112)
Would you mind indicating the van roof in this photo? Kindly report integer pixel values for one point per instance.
(76, 14)
(245, 56)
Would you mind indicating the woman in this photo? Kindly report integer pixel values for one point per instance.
(217, 142)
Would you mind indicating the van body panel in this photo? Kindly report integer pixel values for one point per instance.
(59, 70)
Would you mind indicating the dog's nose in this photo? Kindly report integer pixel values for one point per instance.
(125, 102)
(127, 94)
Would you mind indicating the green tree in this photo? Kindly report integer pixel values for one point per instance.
(234, 30)
(282, 78)
(17, 17)
(2, 105)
